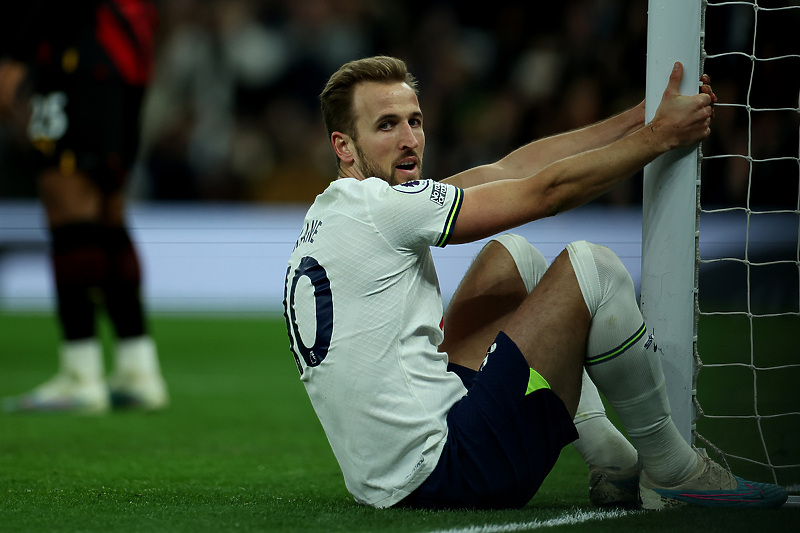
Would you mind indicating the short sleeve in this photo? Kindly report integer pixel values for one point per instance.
(415, 213)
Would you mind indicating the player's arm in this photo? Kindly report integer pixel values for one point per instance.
(536, 155)
(12, 73)
(497, 206)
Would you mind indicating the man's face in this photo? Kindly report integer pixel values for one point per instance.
(389, 132)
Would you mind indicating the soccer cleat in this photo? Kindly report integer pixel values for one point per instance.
(78, 386)
(612, 487)
(711, 486)
(138, 392)
(63, 393)
(137, 382)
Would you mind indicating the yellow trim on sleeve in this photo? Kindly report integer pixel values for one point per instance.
(536, 382)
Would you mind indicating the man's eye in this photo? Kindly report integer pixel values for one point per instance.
(385, 126)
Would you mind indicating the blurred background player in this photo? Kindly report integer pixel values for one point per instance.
(72, 79)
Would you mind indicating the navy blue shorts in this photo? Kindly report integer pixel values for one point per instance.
(502, 441)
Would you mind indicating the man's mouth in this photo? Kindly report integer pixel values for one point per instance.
(408, 164)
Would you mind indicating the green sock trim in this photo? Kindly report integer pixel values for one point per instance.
(536, 382)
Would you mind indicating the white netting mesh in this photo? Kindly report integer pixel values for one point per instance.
(748, 287)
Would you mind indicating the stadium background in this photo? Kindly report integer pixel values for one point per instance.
(232, 114)
(232, 127)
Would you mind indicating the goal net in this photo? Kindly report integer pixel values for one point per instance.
(735, 249)
(748, 284)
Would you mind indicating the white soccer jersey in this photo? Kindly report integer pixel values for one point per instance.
(364, 311)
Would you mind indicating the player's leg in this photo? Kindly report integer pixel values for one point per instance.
(94, 262)
(79, 265)
(621, 359)
(556, 339)
(497, 282)
(136, 380)
(550, 327)
(505, 435)
(612, 459)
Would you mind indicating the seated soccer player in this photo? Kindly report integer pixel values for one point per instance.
(470, 408)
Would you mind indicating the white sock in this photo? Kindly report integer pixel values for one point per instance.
(622, 362)
(82, 360)
(600, 442)
(136, 355)
(530, 262)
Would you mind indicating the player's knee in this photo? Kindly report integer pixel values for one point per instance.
(530, 262)
(610, 269)
(600, 272)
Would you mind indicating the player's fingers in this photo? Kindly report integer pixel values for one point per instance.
(706, 89)
(675, 78)
(708, 118)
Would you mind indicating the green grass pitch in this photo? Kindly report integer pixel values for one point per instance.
(240, 449)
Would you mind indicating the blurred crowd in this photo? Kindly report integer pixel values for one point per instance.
(232, 113)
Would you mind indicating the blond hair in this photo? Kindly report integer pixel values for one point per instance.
(336, 100)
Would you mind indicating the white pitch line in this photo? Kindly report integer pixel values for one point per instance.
(793, 501)
(576, 517)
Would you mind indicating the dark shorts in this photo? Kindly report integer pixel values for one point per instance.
(502, 441)
(89, 124)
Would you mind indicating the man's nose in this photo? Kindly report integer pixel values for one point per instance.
(408, 137)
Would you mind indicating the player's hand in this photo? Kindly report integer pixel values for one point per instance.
(682, 120)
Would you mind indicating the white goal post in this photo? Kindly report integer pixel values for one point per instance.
(669, 209)
(746, 262)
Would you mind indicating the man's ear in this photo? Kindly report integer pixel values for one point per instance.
(343, 146)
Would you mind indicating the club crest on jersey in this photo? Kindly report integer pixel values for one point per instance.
(412, 187)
